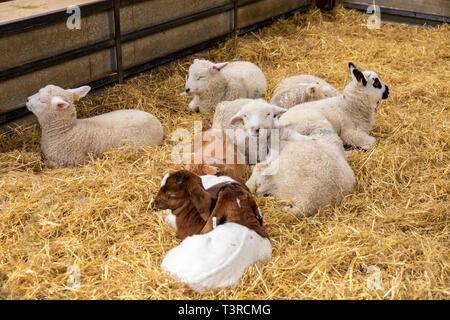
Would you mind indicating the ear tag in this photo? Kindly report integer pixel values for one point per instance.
(214, 222)
(326, 132)
(259, 212)
(312, 92)
(242, 122)
(75, 96)
(360, 82)
(178, 180)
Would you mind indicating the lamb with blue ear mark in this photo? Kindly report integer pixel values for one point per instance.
(351, 114)
(211, 83)
(310, 173)
(68, 141)
(300, 89)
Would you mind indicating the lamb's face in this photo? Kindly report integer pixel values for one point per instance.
(369, 82)
(258, 115)
(201, 75)
(376, 89)
(39, 102)
(53, 101)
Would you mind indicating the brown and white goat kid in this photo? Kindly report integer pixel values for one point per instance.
(229, 240)
(190, 198)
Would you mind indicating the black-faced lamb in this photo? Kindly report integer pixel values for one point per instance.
(351, 115)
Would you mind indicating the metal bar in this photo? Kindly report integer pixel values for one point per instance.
(13, 115)
(118, 43)
(404, 13)
(243, 3)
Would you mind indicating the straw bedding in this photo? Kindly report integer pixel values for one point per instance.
(97, 217)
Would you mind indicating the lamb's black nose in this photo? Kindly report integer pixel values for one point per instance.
(153, 206)
(187, 90)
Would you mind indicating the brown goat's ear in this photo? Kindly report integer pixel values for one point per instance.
(199, 197)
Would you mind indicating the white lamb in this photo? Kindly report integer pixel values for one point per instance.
(310, 173)
(218, 258)
(226, 110)
(259, 119)
(211, 83)
(242, 120)
(67, 140)
(351, 115)
(302, 88)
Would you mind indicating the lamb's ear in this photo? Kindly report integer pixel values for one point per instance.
(356, 74)
(80, 92)
(59, 103)
(237, 118)
(218, 66)
(199, 197)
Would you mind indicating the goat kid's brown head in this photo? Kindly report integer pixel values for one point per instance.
(178, 189)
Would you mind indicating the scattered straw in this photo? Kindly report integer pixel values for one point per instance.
(97, 217)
